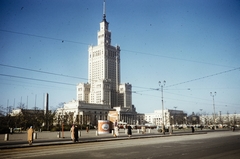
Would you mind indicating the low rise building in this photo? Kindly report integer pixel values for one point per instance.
(171, 117)
(80, 112)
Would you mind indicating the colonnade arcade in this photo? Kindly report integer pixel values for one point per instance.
(91, 117)
(128, 118)
(87, 117)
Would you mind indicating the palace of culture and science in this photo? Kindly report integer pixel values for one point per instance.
(103, 93)
(104, 97)
(104, 86)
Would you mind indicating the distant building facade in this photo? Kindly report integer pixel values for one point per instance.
(174, 117)
(193, 119)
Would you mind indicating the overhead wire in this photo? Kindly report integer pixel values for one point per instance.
(146, 88)
(200, 78)
(35, 79)
(131, 51)
(51, 73)
(196, 79)
(24, 84)
(219, 104)
(39, 36)
(175, 58)
(137, 92)
(44, 37)
(70, 41)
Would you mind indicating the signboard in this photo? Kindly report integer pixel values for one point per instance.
(113, 116)
(103, 126)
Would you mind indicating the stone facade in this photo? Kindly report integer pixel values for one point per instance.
(174, 117)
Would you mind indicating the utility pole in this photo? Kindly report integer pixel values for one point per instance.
(213, 95)
(163, 123)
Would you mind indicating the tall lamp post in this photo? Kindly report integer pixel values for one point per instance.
(81, 114)
(201, 117)
(213, 95)
(62, 123)
(162, 84)
(175, 116)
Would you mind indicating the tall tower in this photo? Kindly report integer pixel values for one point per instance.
(104, 67)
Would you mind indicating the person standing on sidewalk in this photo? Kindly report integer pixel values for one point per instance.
(75, 133)
(87, 129)
(72, 132)
(116, 133)
(129, 130)
(170, 129)
(30, 135)
(192, 129)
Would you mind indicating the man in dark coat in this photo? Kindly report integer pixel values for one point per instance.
(76, 134)
(129, 130)
(192, 129)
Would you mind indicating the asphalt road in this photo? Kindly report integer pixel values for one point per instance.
(221, 145)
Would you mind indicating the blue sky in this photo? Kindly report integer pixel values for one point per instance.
(190, 44)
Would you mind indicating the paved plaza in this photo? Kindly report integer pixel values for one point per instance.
(46, 137)
(54, 138)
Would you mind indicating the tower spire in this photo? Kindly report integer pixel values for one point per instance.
(104, 10)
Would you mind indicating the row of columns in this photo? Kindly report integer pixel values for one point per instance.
(128, 118)
(92, 118)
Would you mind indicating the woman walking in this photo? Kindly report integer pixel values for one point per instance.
(116, 133)
(170, 129)
(30, 135)
(72, 132)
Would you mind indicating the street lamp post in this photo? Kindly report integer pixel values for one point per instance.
(201, 117)
(175, 116)
(62, 123)
(213, 95)
(163, 127)
(81, 114)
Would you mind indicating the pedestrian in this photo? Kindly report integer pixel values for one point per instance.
(11, 130)
(129, 130)
(87, 129)
(192, 129)
(170, 129)
(75, 133)
(72, 132)
(30, 135)
(116, 133)
(233, 128)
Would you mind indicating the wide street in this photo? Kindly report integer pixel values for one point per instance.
(218, 144)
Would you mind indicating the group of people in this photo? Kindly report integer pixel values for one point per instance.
(116, 129)
(74, 133)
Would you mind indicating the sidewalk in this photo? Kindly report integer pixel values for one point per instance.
(19, 140)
